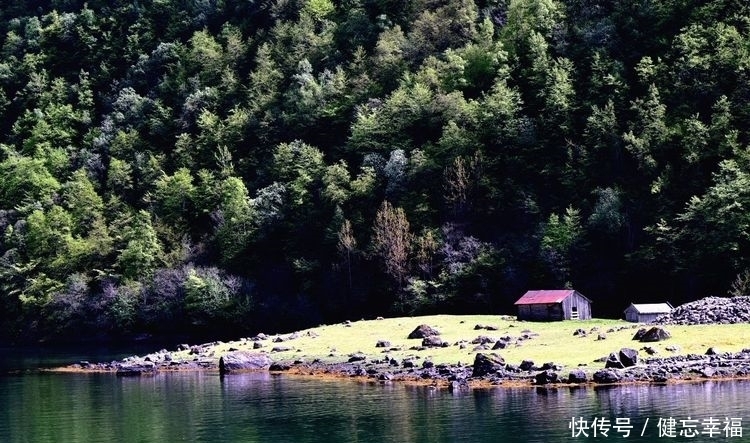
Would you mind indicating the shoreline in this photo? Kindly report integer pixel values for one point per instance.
(441, 352)
(450, 378)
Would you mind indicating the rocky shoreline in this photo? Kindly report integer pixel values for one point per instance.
(488, 369)
(393, 364)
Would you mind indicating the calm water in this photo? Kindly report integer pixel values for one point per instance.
(42, 407)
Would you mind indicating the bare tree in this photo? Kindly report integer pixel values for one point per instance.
(347, 245)
(392, 241)
(427, 245)
(460, 180)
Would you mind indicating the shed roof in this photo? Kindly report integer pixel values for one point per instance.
(651, 308)
(545, 296)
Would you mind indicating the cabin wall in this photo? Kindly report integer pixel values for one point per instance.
(579, 301)
(631, 315)
(648, 318)
(541, 312)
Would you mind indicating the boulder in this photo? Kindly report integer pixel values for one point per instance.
(577, 376)
(638, 335)
(500, 344)
(423, 331)
(487, 364)
(135, 368)
(526, 365)
(655, 334)
(243, 361)
(357, 357)
(432, 342)
(712, 351)
(613, 361)
(546, 377)
(628, 357)
(281, 349)
(482, 340)
(383, 344)
(279, 367)
(257, 345)
(579, 332)
(606, 376)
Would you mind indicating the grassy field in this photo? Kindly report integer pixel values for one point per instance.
(555, 341)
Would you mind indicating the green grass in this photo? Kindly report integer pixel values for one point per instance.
(555, 341)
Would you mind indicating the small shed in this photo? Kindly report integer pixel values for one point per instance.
(646, 312)
(553, 305)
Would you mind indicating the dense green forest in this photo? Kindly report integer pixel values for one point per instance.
(213, 167)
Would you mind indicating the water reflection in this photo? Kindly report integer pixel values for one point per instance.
(263, 407)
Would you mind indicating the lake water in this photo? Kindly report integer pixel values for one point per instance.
(44, 407)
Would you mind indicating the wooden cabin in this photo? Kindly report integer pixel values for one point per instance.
(646, 312)
(554, 305)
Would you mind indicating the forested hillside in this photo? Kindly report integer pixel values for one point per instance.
(223, 166)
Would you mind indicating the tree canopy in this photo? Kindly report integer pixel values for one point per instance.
(224, 167)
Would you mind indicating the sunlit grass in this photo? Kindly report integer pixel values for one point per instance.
(555, 341)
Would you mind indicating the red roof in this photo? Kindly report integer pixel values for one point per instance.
(544, 297)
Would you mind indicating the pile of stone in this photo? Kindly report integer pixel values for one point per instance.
(709, 310)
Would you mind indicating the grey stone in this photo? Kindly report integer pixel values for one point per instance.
(423, 331)
(487, 364)
(577, 376)
(606, 376)
(628, 357)
(243, 361)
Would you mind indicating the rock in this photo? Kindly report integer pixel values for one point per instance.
(500, 344)
(579, 332)
(613, 362)
(135, 368)
(628, 357)
(379, 318)
(281, 349)
(278, 340)
(526, 365)
(491, 328)
(427, 364)
(279, 367)
(183, 347)
(478, 327)
(649, 350)
(482, 340)
(601, 337)
(638, 335)
(655, 334)
(550, 365)
(712, 351)
(710, 310)
(487, 364)
(423, 331)
(707, 372)
(409, 364)
(672, 348)
(577, 376)
(432, 342)
(243, 361)
(393, 362)
(257, 345)
(546, 377)
(383, 344)
(481, 348)
(195, 350)
(260, 336)
(385, 376)
(357, 357)
(606, 376)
